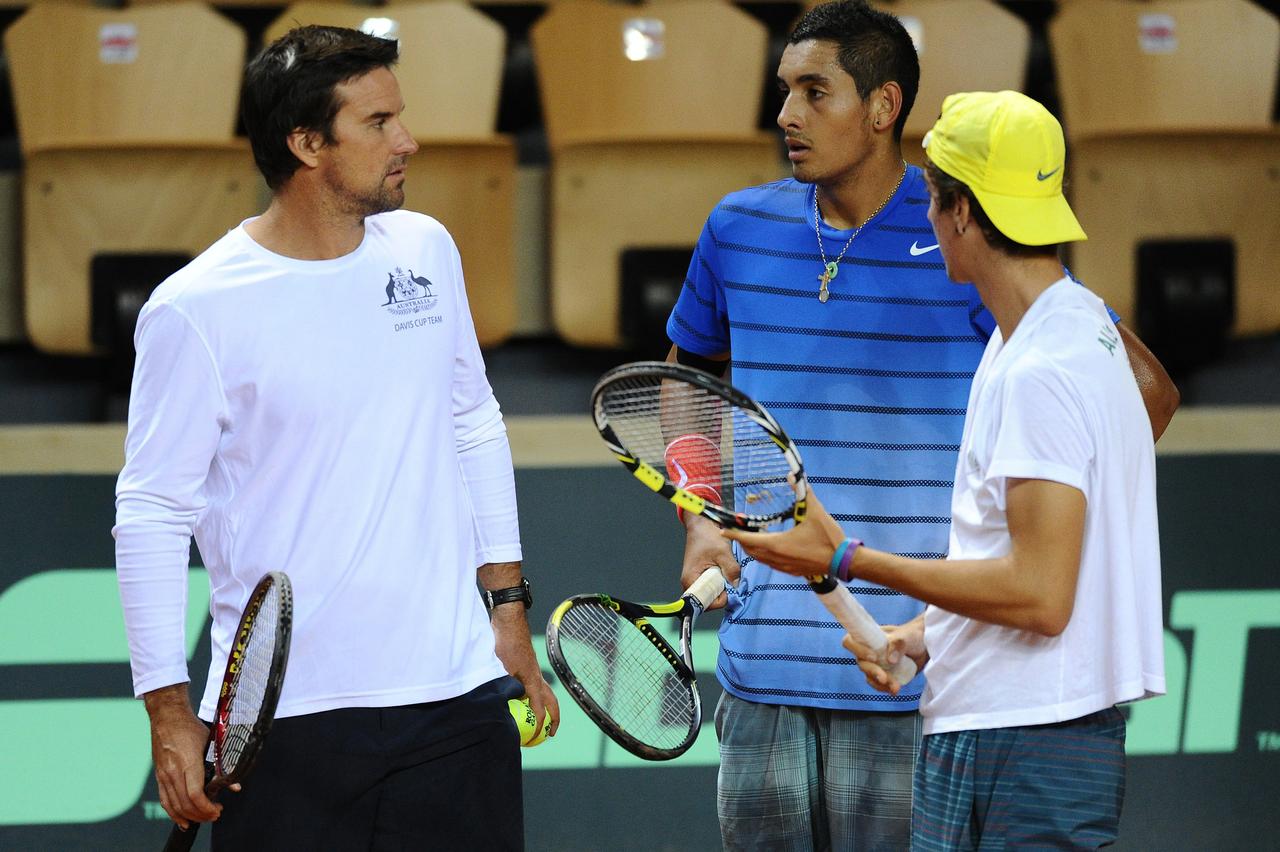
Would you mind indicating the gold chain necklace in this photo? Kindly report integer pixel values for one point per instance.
(832, 268)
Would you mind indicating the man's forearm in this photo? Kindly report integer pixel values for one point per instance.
(510, 626)
(990, 590)
(513, 642)
(1021, 590)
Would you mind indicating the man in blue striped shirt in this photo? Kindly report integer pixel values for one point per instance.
(828, 296)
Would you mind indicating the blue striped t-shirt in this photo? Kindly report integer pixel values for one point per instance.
(872, 387)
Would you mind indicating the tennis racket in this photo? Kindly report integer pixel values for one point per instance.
(714, 451)
(250, 689)
(624, 675)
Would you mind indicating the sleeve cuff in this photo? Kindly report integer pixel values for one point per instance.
(494, 555)
(142, 684)
(1032, 469)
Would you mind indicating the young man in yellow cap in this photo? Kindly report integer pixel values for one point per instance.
(1046, 613)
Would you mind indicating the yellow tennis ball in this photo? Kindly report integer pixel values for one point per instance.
(527, 722)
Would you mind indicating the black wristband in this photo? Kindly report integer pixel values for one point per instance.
(498, 597)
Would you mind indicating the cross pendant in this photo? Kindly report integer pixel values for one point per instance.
(824, 279)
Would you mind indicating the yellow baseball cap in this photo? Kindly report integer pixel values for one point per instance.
(1009, 150)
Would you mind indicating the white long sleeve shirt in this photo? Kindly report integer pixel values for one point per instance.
(332, 420)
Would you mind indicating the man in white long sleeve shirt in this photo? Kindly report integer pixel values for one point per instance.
(309, 397)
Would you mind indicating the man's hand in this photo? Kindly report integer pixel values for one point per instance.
(903, 639)
(805, 550)
(704, 548)
(178, 743)
(515, 650)
(514, 646)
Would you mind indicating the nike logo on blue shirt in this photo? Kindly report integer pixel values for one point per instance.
(917, 249)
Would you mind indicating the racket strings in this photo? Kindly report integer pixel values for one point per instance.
(251, 683)
(626, 675)
(738, 456)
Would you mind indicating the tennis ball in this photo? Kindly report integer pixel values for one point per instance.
(527, 722)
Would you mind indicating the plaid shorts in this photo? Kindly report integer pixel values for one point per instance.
(1058, 786)
(801, 778)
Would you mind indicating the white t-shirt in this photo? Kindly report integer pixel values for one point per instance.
(332, 420)
(1058, 402)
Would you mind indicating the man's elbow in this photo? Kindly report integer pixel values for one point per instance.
(1050, 619)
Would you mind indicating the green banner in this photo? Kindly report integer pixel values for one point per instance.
(75, 767)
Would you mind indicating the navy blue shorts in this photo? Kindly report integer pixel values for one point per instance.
(439, 775)
(1058, 786)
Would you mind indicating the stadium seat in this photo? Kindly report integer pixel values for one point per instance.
(964, 46)
(217, 4)
(125, 120)
(464, 174)
(650, 114)
(1174, 161)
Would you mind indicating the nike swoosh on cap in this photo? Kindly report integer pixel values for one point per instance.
(917, 249)
(1042, 176)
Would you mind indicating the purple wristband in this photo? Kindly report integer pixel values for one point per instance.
(842, 572)
(838, 557)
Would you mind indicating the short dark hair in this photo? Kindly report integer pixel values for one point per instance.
(290, 85)
(874, 48)
(951, 189)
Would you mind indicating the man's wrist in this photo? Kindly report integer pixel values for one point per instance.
(701, 523)
(520, 593)
(841, 565)
(168, 699)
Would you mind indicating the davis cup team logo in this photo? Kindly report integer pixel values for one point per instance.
(408, 293)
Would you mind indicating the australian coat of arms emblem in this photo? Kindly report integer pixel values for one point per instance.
(408, 293)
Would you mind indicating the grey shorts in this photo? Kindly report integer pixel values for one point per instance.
(801, 778)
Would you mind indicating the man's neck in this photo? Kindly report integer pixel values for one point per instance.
(853, 199)
(304, 228)
(1010, 285)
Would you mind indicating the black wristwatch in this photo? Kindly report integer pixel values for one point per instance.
(498, 597)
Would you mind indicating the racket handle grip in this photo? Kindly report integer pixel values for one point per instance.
(840, 602)
(182, 840)
(705, 589)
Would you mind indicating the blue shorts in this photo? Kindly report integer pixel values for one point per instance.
(1058, 786)
(803, 779)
